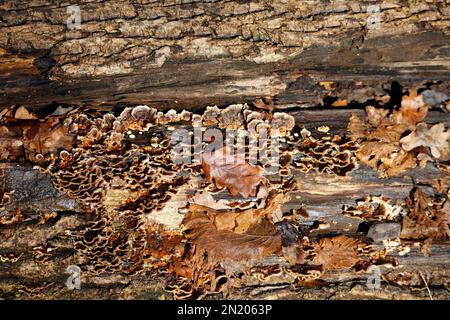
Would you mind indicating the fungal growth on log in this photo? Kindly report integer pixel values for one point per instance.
(224, 150)
(164, 194)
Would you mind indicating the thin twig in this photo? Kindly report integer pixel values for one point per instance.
(426, 285)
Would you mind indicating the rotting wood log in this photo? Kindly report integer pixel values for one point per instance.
(189, 55)
(308, 57)
(36, 252)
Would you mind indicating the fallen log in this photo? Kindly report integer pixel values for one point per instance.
(190, 55)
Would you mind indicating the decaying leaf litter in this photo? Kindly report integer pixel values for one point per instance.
(119, 169)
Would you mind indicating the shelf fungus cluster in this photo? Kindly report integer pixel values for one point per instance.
(329, 154)
(163, 193)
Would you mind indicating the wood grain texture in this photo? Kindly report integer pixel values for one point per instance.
(187, 55)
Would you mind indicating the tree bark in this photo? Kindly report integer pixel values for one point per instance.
(191, 54)
(198, 53)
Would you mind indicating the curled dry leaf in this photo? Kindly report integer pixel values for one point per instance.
(426, 220)
(220, 243)
(233, 172)
(336, 253)
(379, 136)
(47, 137)
(241, 221)
(387, 132)
(389, 158)
(253, 238)
(437, 138)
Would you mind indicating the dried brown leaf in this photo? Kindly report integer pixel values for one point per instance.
(336, 253)
(232, 172)
(426, 219)
(241, 221)
(437, 138)
(11, 145)
(231, 249)
(379, 137)
(388, 132)
(231, 240)
(389, 158)
(412, 110)
(25, 132)
(46, 137)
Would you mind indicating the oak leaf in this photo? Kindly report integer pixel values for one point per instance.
(380, 136)
(389, 158)
(26, 134)
(412, 110)
(46, 137)
(437, 138)
(426, 220)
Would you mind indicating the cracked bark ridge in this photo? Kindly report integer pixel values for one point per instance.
(198, 53)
